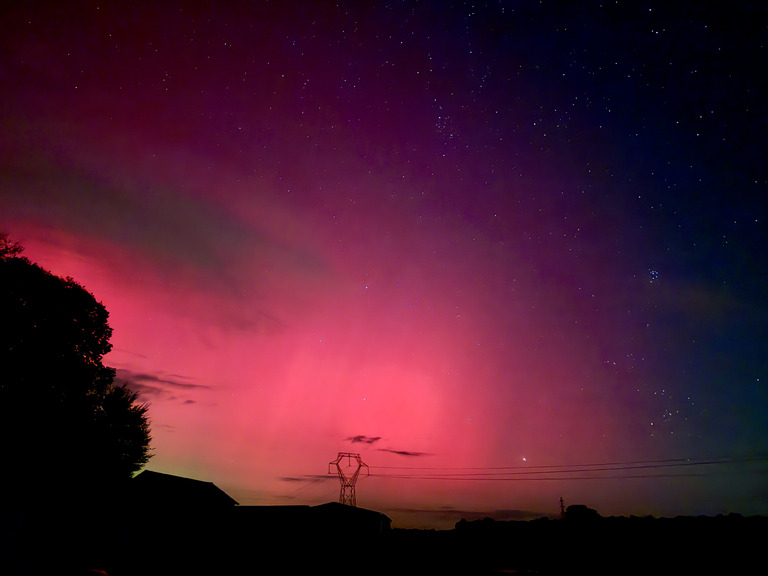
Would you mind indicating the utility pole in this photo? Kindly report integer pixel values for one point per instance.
(562, 508)
(347, 492)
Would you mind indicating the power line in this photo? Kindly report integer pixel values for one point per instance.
(542, 479)
(609, 470)
(670, 461)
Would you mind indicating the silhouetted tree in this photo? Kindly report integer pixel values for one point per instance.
(65, 429)
(8, 247)
(581, 513)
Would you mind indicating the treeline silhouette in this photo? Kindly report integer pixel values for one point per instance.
(588, 543)
(67, 431)
(139, 538)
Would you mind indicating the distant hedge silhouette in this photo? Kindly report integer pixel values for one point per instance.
(66, 431)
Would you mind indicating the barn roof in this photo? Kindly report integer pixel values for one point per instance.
(168, 490)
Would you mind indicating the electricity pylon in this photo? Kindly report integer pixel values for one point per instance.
(347, 492)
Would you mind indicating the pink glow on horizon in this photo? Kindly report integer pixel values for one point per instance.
(248, 399)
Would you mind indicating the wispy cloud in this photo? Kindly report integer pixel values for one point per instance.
(157, 386)
(305, 478)
(403, 452)
(448, 516)
(361, 439)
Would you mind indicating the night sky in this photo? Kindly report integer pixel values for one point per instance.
(506, 251)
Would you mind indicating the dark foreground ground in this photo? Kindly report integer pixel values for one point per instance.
(238, 541)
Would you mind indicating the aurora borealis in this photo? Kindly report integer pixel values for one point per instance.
(506, 251)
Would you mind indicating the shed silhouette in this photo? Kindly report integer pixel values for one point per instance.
(337, 517)
(332, 519)
(157, 490)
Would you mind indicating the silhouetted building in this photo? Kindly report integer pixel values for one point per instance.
(157, 490)
(341, 518)
(331, 519)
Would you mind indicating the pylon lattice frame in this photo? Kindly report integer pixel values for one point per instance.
(347, 491)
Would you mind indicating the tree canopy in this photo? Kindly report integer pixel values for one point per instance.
(64, 425)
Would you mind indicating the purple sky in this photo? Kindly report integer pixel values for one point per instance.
(507, 252)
